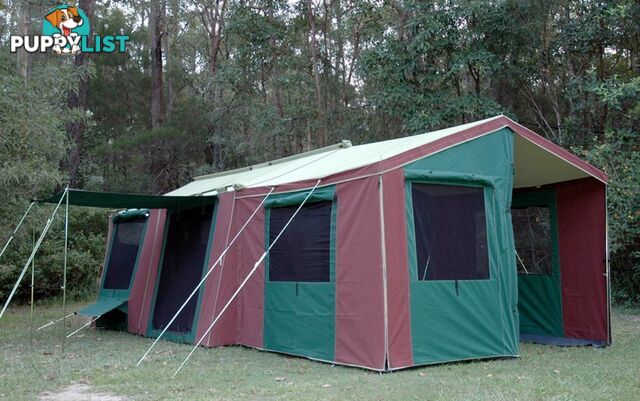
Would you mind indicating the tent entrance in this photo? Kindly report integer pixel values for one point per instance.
(123, 253)
(452, 278)
(300, 289)
(534, 219)
(185, 253)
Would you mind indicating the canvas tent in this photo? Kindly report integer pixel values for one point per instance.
(438, 247)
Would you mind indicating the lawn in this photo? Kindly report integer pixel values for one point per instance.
(105, 361)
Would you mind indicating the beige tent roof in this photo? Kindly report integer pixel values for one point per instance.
(535, 164)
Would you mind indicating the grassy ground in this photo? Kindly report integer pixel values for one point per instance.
(106, 362)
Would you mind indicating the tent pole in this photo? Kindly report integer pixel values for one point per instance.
(4, 248)
(253, 270)
(33, 254)
(204, 278)
(64, 268)
(383, 256)
(607, 262)
(33, 276)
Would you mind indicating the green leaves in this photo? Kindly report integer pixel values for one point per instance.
(33, 116)
(439, 72)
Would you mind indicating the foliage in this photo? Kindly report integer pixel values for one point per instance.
(619, 155)
(252, 80)
(32, 144)
(87, 229)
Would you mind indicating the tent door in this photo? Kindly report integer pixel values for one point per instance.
(300, 292)
(123, 252)
(534, 219)
(185, 254)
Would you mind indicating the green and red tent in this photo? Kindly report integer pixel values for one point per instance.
(445, 246)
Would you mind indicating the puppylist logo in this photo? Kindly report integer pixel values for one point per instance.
(65, 30)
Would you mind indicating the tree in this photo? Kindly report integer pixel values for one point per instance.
(156, 16)
(210, 85)
(77, 101)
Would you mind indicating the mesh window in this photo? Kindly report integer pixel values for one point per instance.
(124, 252)
(182, 266)
(451, 232)
(302, 252)
(532, 235)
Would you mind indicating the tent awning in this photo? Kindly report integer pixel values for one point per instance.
(79, 197)
(102, 306)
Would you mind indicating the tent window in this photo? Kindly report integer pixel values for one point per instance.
(124, 252)
(303, 251)
(185, 254)
(450, 232)
(532, 235)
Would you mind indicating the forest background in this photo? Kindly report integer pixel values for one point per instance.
(210, 85)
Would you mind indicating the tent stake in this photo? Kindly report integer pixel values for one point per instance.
(253, 270)
(83, 326)
(195, 290)
(4, 248)
(33, 254)
(64, 269)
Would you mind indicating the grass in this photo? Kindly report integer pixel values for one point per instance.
(106, 361)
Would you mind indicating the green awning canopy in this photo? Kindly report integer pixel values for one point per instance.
(102, 306)
(114, 200)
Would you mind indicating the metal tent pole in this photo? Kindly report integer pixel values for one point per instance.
(33, 277)
(204, 278)
(64, 271)
(4, 248)
(33, 254)
(246, 279)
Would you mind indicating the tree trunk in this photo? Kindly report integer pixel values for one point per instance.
(340, 65)
(23, 29)
(403, 16)
(155, 44)
(171, 30)
(213, 19)
(76, 129)
(322, 134)
(157, 156)
(275, 69)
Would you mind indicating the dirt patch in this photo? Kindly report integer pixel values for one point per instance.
(79, 392)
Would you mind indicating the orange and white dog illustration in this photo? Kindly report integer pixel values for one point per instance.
(65, 19)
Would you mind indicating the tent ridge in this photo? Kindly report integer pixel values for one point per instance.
(343, 144)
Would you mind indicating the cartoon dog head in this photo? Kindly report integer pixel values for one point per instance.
(65, 19)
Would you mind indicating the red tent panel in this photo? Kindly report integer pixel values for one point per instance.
(359, 298)
(582, 246)
(216, 292)
(251, 247)
(400, 349)
(145, 276)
